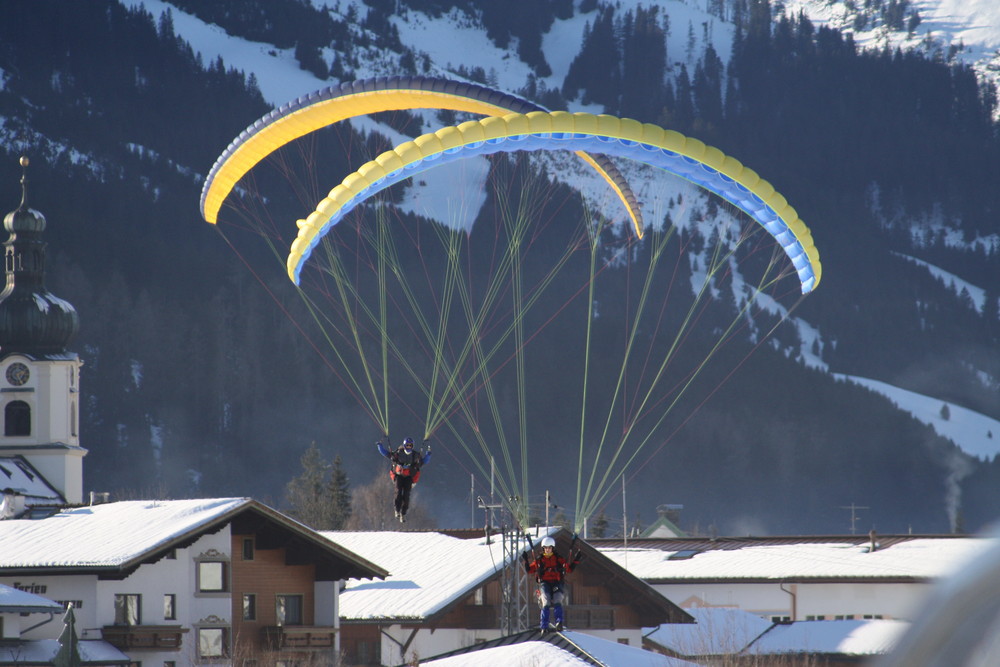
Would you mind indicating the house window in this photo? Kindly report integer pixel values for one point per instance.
(288, 609)
(169, 663)
(478, 597)
(623, 640)
(249, 606)
(169, 607)
(212, 642)
(17, 418)
(127, 608)
(248, 548)
(212, 576)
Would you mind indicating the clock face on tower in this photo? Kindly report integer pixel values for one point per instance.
(17, 374)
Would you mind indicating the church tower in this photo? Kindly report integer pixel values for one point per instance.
(39, 379)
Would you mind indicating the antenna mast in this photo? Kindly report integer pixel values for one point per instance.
(513, 578)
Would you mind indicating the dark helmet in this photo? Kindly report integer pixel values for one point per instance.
(407, 442)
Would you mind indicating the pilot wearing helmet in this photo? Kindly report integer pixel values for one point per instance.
(404, 472)
(550, 570)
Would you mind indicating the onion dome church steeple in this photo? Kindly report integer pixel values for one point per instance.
(39, 388)
(32, 320)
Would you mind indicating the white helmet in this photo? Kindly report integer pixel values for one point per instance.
(548, 542)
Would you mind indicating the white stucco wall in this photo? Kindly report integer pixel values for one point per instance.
(94, 599)
(892, 601)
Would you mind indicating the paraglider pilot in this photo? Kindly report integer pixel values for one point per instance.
(550, 570)
(404, 472)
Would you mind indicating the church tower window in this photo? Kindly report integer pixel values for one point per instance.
(17, 419)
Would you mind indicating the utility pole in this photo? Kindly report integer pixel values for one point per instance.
(513, 578)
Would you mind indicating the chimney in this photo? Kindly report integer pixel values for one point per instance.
(11, 504)
(99, 497)
(874, 544)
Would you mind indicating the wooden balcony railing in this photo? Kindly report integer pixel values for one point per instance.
(299, 637)
(144, 637)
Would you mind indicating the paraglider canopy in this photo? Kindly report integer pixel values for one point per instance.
(671, 151)
(357, 98)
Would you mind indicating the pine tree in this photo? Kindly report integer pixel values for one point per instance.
(340, 495)
(320, 497)
(600, 528)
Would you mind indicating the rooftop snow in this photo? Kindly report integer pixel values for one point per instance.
(428, 571)
(107, 535)
(14, 601)
(557, 650)
(527, 654)
(43, 652)
(922, 558)
(614, 654)
(18, 476)
(869, 637)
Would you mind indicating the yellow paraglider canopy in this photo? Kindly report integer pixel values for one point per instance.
(332, 105)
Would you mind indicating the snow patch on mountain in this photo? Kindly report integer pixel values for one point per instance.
(974, 433)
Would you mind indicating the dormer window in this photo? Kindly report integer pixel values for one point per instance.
(17, 419)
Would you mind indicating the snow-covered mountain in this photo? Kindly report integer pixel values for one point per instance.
(964, 31)
(453, 38)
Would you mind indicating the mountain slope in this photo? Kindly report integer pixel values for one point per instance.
(142, 139)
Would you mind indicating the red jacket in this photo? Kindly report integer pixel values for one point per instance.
(549, 568)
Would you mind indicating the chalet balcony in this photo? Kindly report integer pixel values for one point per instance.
(299, 637)
(144, 637)
(590, 617)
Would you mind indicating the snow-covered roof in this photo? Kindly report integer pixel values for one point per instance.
(716, 631)
(428, 571)
(121, 535)
(19, 477)
(108, 535)
(527, 654)
(920, 558)
(846, 637)
(731, 631)
(614, 654)
(43, 652)
(15, 601)
(566, 649)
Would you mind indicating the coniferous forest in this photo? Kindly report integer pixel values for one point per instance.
(196, 384)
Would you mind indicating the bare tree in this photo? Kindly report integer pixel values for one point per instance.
(372, 507)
